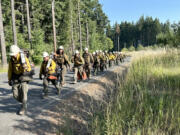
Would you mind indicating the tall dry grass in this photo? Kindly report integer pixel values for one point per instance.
(148, 99)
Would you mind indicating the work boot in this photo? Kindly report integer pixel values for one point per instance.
(44, 95)
(59, 91)
(95, 73)
(75, 80)
(23, 109)
(63, 83)
(89, 76)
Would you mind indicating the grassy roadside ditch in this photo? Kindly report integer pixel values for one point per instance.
(147, 101)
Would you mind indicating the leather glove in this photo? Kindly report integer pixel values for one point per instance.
(40, 77)
(10, 83)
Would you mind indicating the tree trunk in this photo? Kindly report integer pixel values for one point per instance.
(22, 18)
(79, 21)
(2, 39)
(28, 22)
(115, 42)
(87, 34)
(72, 31)
(118, 43)
(54, 26)
(72, 38)
(117, 36)
(13, 22)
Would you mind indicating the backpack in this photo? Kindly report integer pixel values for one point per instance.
(26, 76)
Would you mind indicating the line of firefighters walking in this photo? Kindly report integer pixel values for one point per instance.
(54, 68)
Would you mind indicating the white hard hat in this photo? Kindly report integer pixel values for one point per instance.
(14, 50)
(100, 51)
(61, 47)
(97, 51)
(86, 49)
(94, 53)
(76, 52)
(52, 53)
(45, 54)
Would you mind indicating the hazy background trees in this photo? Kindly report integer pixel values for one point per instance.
(145, 32)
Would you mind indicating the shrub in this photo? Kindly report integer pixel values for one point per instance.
(37, 59)
(131, 48)
(140, 47)
(124, 50)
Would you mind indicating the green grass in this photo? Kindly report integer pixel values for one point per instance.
(147, 101)
(3, 70)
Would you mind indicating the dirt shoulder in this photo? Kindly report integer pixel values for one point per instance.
(75, 110)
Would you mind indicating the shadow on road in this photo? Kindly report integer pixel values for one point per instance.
(71, 113)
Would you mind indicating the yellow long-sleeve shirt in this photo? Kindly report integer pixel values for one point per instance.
(16, 67)
(51, 69)
(112, 57)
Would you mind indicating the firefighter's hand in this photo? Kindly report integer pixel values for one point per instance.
(40, 77)
(10, 83)
(25, 66)
(47, 70)
(69, 68)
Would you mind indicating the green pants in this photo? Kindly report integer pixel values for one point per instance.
(95, 66)
(46, 83)
(76, 71)
(20, 91)
(63, 73)
(117, 62)
(110, 63)
(87, 69)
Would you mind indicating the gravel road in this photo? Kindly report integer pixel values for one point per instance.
(13, 124)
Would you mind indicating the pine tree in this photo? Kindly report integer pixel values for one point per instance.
(79, 23)
(28, 22)
(117, 35)
(13, 22)
(54, 25)
(72, 26)
(3, 46)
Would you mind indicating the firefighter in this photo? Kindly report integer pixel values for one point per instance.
(123, 56)
(62, 63)
(107, 58)
(78, 65)
(88, 59)
(103, 59)
(111, 59)
(19, 72)
(117, 58)
(120, 57)
(96, 64)
(48, 70)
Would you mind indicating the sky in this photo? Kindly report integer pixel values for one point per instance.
(132, 10)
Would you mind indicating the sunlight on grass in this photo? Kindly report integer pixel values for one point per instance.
(147, 101)
(165, 72)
